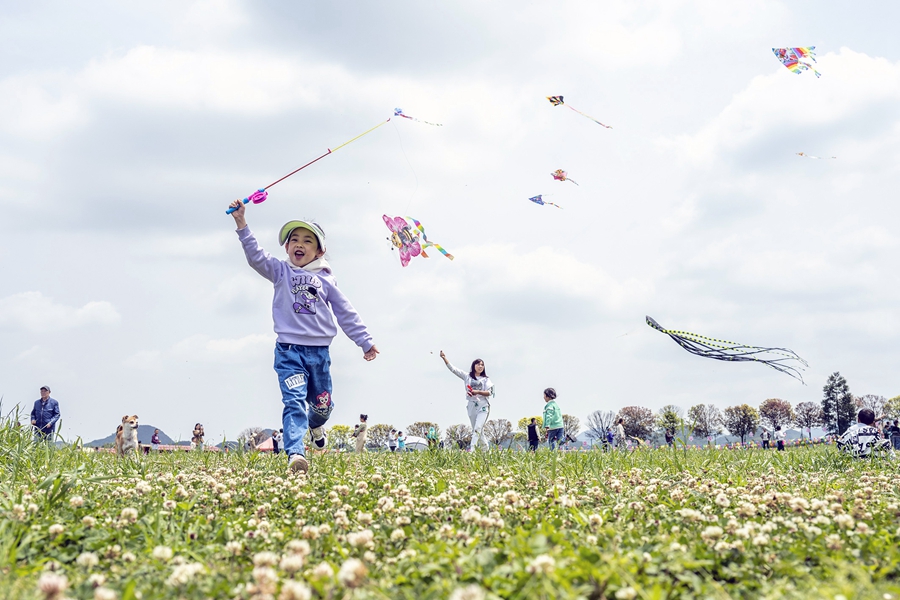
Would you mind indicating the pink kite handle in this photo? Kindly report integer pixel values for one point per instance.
(257, 197)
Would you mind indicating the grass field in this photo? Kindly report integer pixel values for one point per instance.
(807, 523)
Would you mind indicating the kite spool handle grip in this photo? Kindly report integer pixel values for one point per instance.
(257, 197)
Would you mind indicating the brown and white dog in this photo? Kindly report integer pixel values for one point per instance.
(127, 436)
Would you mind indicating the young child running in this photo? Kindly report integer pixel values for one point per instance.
(553, 421)
(304, 309)
(479, 388)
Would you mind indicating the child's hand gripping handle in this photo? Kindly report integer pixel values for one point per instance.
(257, 197)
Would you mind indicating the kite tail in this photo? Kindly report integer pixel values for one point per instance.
(428, 244)
(552, 204)
(573, 181)
(590, 117)
(440, 249)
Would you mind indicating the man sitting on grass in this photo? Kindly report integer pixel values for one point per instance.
(863, 437)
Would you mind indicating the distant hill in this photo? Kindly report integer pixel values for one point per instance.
(145, 432)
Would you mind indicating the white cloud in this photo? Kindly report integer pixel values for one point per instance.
(39, 107)
(202, 348)
(32, 311)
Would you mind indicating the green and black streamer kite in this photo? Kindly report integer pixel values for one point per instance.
(777, 358)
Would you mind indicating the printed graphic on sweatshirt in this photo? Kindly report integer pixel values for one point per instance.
(305, 289)
(295, 381)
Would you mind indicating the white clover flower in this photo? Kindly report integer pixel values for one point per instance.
(626, 593)
(55, 529)
(300, 547)
(169, 504)
(163, 553)
(761, 540)
(470, 592)
(294, 590)
(266, 579)
(129, 557)
(713, 532)
(102, 593)
(844, 521)
(96, 579)
(352, 573)
(543, 563)
(723, 501)
(182, 574)
(833, 542)
(128, 515)
(52, 585)
(234, 547)
(87, 560)
(76, 501)
(291, 563)
(265, 559)
(397, 535)
(364, 519)
(323, 571)
(361, 539)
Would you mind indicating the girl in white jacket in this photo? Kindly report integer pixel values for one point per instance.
(479, 389)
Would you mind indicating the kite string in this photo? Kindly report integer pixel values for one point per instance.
(400, 140)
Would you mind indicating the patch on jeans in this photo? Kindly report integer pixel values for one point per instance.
(295, 381)
(323, 405)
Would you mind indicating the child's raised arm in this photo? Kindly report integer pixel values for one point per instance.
(239, 219)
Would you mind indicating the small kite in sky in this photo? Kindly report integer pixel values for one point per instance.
(405, 238)
(398, 112)
(540, 200)
(561, 175)
(805, 155)
(558, 101)
(797, 60)
(777, 358)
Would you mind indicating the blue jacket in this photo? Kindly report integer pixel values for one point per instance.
(45, 414)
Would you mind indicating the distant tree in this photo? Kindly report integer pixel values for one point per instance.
(459, 436)
(498, 431)
(638, 422)
(339, 436)
(669, 418)
(705, 420)
(775, 411)
(252, 436)
(741, 420)
(378, 435)
(571, 425)
(876, 403)
(808, 415)
(420, 429)
(838, 409)
(598, 422)
(892, 408)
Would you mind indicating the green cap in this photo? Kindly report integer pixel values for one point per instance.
(290, 226)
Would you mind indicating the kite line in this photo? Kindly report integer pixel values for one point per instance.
(733, 352)
(259, 196)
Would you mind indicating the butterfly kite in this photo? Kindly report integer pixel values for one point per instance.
(805, 155)
(558, 101)
(405, 238)
(398, 112)
(561, 175)
(777, 358)
(797, 60)
(539, 200)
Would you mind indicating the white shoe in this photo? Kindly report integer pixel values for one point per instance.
(298, 464)
(320, 438)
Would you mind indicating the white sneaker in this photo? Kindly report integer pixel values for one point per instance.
(319, 436)
(298, 464)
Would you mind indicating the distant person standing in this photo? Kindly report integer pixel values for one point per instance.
(154, 440)
(779, 437)
(479, 390)
(553, 421)
(44, 416)
(276, 440)
(533, 438)
(361, 433)
(765, 436)
(401, 442)
(621, 440)
(610, 439)
(392, 440)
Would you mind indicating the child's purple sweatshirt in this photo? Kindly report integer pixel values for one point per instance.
(306, 302)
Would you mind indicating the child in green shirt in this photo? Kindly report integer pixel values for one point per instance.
(553, 421)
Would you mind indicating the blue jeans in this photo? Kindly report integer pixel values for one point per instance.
(555, 437)
(305, 380)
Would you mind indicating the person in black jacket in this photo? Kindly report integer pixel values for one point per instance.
(533, 437)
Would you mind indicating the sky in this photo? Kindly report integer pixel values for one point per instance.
(127, 128)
